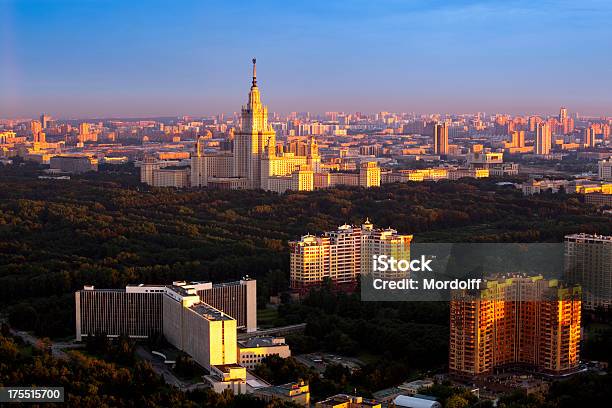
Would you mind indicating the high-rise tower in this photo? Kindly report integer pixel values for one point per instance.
(253, 136)
(543, 140)
(440, 139)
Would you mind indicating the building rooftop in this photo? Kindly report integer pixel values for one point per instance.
(210, 312)
(592, 237)
(179, 289)
(262, 342)
(344, 398)
(226, 368)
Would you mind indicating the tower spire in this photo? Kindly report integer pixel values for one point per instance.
(254, 72)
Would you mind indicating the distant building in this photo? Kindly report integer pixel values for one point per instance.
(543, 140)
(176, 177)
(605, 170)
(254, 160)
(588, 137)
(164, 173)
(251, 352)
(484, 160)
(440, 139)
(588, 262)
(202, 331)
(532, 187)
(44, 120)
(457, 174)
(518, 139)
(74, 164)
(298, 393)
(347, 401)
(520, 321)
(369, 174)
(598, 199)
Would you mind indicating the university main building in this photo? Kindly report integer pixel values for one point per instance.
(257, 161)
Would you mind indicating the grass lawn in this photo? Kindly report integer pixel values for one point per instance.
(266, 318)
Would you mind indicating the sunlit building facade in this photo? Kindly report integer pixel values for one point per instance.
(255, 161)
(528, 322)
(543, 141)
(342, 255)
(440, 139)
(137, 311)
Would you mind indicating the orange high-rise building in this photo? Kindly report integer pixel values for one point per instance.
(440, 139)
(522, 321)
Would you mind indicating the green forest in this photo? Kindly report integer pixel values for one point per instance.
(107, 230)
(95, 383)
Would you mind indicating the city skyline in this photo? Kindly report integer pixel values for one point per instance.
(108, 59)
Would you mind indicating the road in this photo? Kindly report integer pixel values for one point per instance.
(275, 331)
(57, 351)
(164, 371)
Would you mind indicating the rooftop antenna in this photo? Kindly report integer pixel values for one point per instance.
(254, 71)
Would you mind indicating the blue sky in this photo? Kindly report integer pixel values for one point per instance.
(94, 58)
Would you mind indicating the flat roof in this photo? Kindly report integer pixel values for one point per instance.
(260, 342)
(225, 368)
(178, 289)
(210, 312)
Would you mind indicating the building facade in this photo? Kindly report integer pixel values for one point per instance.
(440, 139)
(543, 141)
(135, 311)
(207, 334)
(138, 310)
(522, 321)
(251, 352)
(342, 255)
(255, 159)
(588, 262)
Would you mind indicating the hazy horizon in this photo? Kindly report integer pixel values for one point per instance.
(101, 59)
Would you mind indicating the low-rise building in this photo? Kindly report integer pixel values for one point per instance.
(251, 352)
(74, 164)
(298, 393)
(347, 401)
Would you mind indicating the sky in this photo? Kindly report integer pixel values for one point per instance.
(107, 58)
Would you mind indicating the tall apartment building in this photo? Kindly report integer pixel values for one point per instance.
(44, 120)
(605, 170)
(518, 138)
(74, 164)
(588, 137)
(520, 321)
(342, 255)
(440, 138)
(588, 263)
(137, 310)
(543, 140)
